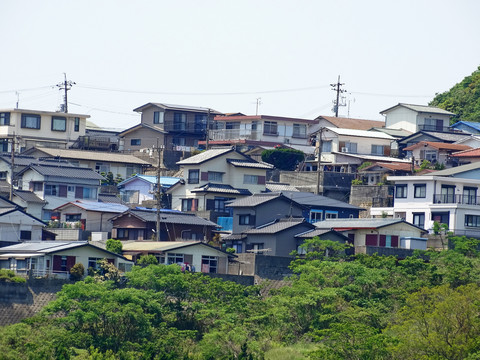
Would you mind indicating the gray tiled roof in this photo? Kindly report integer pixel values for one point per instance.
(254, 200)
(66, 171)
(277, 226)
(28, 196)
(109, 198)
(356, 223)
(276, 187)
(173, 217)
(249, 164)
(456, 170)
(420, 108)
(312, 233)
(221, 188)
(204, 156)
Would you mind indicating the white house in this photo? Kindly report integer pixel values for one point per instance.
(417, 117)
(216, 176)
(16, 225)
(40, 128)
(140, 188)
(448, 196)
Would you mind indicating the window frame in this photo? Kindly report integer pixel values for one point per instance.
(269, 126)
(179, 121)
(419, 187)
(192, 179)
(56, 120)
(158, 117)
(76, 124)
(417, 219)
(245, 219)
(299, 131)
(4, 118)
(252, 179)
(36, 117)
(213, 176)
(135, 142)
(404, 192)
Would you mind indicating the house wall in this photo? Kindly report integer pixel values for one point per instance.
(403, 118)
(148, 139)
(144, 189)
(45, 132)
(13, 223)
(94, 220)
(83, 253)
(198, 251)
(400, 230)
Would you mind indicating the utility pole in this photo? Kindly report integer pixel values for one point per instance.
(337, 87)
(319, 158)
(66, 85)
(12, 167)
(207, 130)
(159, 186)
(259, 102)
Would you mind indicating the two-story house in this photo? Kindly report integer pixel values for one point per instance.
(140, 188)
(214, 177)
(417, 117)
(59, 184)
(260, 130)
(39, 128)
(434, 152)
(448, 196)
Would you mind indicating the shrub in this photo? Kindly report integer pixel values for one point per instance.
(9, 276)
(77, 271)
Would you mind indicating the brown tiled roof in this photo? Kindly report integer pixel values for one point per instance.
(438, 146)
(358, 124)
(467, 153)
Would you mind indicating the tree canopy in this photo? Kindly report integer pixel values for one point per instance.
(283, 159)
(463, 99)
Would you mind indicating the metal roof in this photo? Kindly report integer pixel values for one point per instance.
(163, 245)
(360, 133)
(312, 233)
(276, 187)
(249, 164)
(221, 188)
(97, 206)
(204, 156)
(41, 246)
(277, 226)
(473, 124)
(372, 157)
(420, 108)
(457, 170)
(356, 223)
(66, 171)
(92, 155)
(443, 136)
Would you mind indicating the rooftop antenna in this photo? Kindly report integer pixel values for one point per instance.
(18, 99)
(259, 102)
(66, 86)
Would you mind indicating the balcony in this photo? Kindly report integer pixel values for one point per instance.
(235, 134)
(429, 127)
(456, 199)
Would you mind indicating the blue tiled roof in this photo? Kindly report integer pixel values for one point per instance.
(472, 124)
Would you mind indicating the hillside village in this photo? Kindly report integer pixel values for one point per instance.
(188, 185)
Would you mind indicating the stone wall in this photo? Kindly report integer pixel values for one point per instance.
(363, 195)
(263, 266)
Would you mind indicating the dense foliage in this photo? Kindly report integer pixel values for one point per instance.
(283, 159)
(463, 99)
(372, 307)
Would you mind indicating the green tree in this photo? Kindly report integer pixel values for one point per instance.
(114, 246)
(463, 99)
(77, 271)
(283, 159)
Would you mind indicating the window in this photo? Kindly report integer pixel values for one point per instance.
(59, 123)
(193, 176)
(237, 245)
(135, 142)
(133, 169)
(219, 203)
(215, 176)
(232, 125)
(179, 141)
(433, 124)
(401, 191)
(94, 263)
(245, 219)
(254, 125)
(179, 121)
(348, 147)
(270, 128)
(70, 188)
(331, 214)
(31, 121)
(448, 194)
(73, 217)
(3, 175)
(76, 124)
(250, 179)
(326, 146)
(472, 220)
(102, 168)
(316, 215)
(419, 219)
(5, 118)
(158, 117)
(89, 193)
(4, 145)
(300, 131)
(51, 190)
(209, 264)
(377, 149)
(174, 258)
(189, 204)
(25, 235)
(470, 195)
(420, 190)
(200, 122)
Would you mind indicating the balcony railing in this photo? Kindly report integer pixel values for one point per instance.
(456, 199)
(429, 127)
(235, 134)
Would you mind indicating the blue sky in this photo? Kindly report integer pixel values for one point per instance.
(226, 54)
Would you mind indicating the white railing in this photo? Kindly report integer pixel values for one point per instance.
(235, 134)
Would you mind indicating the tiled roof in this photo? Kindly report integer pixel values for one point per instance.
(348, 123)
(391, 166)
(254, 200)
(312, 233)
(165, 181)
(221, 188)
(398, 133)
(141, 125)
(20, 160)
(109, 198)
(178, 107)
(457, 170)
(204, 156)
(372, 157)
(420, 108)
(473, 124)
(467, 153)
(93, 155)
(172, 217)
(66, 171)
(235, 237)
(438, 146)
(44, 247)
(275, 187)
(249, 164)
(162, 245)
(277, 226)
(28, 196)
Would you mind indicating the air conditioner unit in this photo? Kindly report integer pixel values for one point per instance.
(344, 149)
